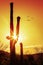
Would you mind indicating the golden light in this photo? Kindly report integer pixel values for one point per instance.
(14, 37)
(21, 37)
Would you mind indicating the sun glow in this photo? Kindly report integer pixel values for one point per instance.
(15, 37)
(21, 37)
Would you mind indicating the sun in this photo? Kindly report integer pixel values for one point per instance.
(20, 38)
(15, 37)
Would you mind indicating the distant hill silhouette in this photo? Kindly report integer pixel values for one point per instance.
(4, 58)
(34, 59)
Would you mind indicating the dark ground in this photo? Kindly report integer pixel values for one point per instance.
(34, 59)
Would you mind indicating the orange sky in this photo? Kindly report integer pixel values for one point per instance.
(31, 25)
